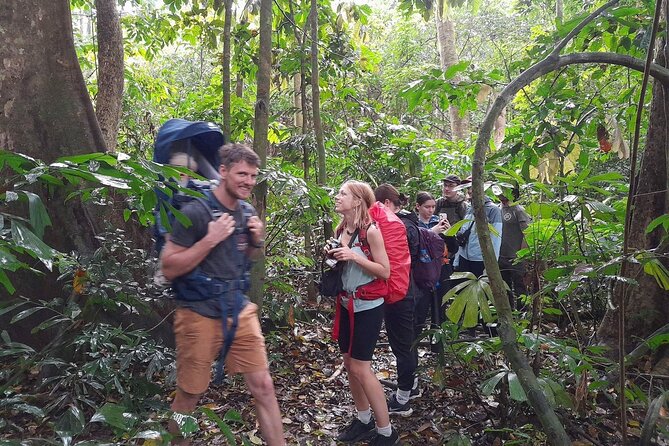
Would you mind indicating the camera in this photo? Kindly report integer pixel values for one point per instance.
(329, 245)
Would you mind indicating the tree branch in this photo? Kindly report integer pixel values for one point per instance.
(551, 424)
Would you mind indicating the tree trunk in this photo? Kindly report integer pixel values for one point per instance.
(47, 112)
(260, 130)
(226, 69)
(109, 100)
(316, 105)
(448, 57)
(298, 116)
(646, 303)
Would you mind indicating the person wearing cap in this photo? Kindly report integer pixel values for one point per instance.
(515, 222)
(452, 205)
(452, 201)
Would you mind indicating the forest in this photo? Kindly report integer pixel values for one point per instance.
(556, 105)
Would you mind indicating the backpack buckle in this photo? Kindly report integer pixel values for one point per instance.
(219, 288)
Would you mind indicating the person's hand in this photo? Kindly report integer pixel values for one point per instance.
(442, 226)
(257, 230)
(344, 253)
(220, 229)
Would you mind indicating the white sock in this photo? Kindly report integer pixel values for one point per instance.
(365, 416)
(385, 431)
(402, 396)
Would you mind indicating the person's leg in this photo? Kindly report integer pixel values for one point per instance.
(421, 308)
(506, 269)
(198, 340)
(518, 279)
(261, 386)
(399, 327)
(362, 374)
(438, 305)
(361, 343)
(248, 356)
(184, 403)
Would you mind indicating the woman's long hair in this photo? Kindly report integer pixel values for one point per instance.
(365, 194)
(388, 192)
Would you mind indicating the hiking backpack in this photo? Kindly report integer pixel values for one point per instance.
(427, 270)
(394, 235)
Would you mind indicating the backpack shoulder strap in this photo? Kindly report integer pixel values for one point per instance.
(362, 238)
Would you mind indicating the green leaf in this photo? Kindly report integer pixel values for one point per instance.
(69, 425)
(490, 384)
(455, 69)
(116, 416)
(655, 268)
(4, 280)
(552, 274)
(661, 220)
(515, 389)
(222, 425)
(39, 218)
(24, 314)
(25, 238)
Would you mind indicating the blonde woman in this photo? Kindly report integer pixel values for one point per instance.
(359, 320)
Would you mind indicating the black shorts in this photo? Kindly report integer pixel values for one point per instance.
(367, 326)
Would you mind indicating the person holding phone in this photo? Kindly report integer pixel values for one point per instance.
(450, 209)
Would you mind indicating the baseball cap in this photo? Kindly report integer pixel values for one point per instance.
(451, 179)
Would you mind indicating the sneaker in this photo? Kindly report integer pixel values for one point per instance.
(395, 407)
(357, 431)
(415, 393)
(382, 440)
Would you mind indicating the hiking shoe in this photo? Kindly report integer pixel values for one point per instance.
(382, 440)
(395, 407)
(357, 431)
(415, 393)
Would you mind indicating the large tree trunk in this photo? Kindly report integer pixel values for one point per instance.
(47, 112)
(646, 303)
(260, 130)
(47, 109)
(448, 57)
(226, 69)
(109, 100)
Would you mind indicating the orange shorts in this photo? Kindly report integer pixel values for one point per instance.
(199, 340)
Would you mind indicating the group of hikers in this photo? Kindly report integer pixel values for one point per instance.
(208, 262)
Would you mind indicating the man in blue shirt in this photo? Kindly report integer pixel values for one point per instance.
(469, 257)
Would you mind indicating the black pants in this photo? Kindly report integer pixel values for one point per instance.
(514, 276)
(399, 318)
(475, 267)
(438, 307)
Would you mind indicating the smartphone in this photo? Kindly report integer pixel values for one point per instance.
(443, 216)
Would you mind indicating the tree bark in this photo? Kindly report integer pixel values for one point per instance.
(260, 130)
(448, 57)
(226, 84)
(109, 100)
(47, 112)
(646, 308)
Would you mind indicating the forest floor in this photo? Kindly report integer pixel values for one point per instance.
(315, 401)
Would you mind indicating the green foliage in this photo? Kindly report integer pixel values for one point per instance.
(469, 297)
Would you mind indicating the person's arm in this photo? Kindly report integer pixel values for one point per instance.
(177, 260)
(380, 266)
(257, 237)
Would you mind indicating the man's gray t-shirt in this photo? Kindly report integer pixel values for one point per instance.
(514, 221)
(226, 261)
